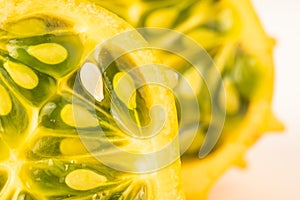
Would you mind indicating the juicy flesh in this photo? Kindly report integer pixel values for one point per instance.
(50, 114)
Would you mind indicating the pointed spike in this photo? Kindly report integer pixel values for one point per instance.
(241, 163)
(273, 123)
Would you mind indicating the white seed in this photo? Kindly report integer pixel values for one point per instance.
(49, 53)
(91, 79)
(5, 102)
(77, 116)
(22, 75)
(50, 162)
(84, 179)
(124, 88)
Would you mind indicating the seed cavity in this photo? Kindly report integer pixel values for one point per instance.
(5, 102)
(77, 116)
(83, 179)
(22, 75)
(49, 53)
(91, 79)
(124, 88)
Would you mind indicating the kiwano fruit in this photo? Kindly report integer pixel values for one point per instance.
(67, 112)
(233, 37)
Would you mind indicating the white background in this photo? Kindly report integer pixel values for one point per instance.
(273, 171)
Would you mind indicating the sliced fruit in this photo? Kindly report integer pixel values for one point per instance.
(231, 33)
(61, 136)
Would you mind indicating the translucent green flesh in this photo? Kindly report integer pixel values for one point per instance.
(49, 122)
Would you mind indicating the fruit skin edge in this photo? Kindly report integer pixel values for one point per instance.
(257, 122)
